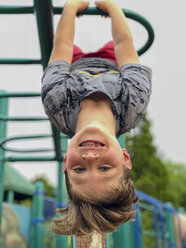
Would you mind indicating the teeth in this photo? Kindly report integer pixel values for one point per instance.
(95, 144)
(88, 144)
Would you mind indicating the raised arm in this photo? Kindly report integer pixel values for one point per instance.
(64, 36)
(125, 51)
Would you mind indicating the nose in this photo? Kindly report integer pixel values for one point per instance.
(90, 155)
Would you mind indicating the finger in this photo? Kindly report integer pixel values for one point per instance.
(97, 3)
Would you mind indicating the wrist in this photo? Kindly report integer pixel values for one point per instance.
(114, 8)
(70, 8)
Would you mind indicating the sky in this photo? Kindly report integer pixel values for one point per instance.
(166, 57)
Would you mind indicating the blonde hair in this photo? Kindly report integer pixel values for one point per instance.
(83, 216)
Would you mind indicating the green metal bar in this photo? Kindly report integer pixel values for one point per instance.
(3, 127)
(6, 9)
(45, 31)
(32, 225)
(10, 196)
(61, 198)
(121, 238)
(19, 61)
(121, 140)
(61, 189)
(23, 118)
(140, 222)
(64, 143)
(29, 159)
(13, 138)
(146, 206)
(139, 18)
(63, 140)
(57, 142)
(23, 137)
(88, 11)
(18, 94)
(38, 215)
(129, 14)
(26, 150)
(43, 11)
(169, 226)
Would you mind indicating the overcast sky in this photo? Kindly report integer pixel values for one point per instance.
(166, 57)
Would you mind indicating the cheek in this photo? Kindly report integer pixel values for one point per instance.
(73, 158)
(114, 156)
(110, 157)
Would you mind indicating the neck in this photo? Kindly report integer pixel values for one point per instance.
(96, 110)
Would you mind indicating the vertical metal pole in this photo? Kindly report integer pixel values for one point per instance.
(61, 189)
(155, 223)
(32, 226)
(10, 196)
(61, 240)
(73, 241)
(162, 228)
(45, 28)
(43, 10)
(3, 127)
(108, 240)
(140, 228)
(181, 211)
(137, 243)
(37, 220)
(44, 18)
(121, 238)
(170, 226)
(121, 140)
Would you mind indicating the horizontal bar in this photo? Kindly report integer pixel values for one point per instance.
(145, 206)
(19, 61)
(19, 94)
(6, 118)
(39, 136)
(129, 14)
(23, 137)
(7, 9)
(157, 203)
(30, 159)
(39, 150)
(88, 11)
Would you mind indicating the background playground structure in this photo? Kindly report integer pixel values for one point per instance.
(153, 225)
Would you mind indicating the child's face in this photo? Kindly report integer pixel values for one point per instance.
(94, 161)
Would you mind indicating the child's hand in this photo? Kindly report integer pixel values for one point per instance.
(77, 5)
(105, 5)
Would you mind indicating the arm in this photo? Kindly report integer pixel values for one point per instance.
(64, 36)
(125, 51)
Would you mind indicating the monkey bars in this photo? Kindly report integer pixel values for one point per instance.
(44, 11)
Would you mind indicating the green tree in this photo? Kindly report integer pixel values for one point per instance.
(48, 187)
(149, 172)
(177, 180)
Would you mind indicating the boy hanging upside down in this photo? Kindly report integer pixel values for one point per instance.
(94, 98)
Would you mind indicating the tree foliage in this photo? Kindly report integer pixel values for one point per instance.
(150, 173)
(177, 182)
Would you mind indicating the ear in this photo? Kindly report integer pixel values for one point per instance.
(64, 163)
(127, 160)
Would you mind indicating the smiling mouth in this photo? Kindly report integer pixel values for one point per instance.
(91, 143)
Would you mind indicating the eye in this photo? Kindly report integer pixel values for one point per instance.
(104, 168)
(79, 170)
